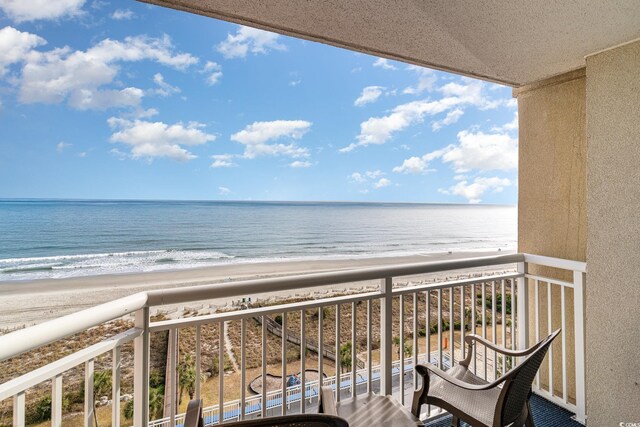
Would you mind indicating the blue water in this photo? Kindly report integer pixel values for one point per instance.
(56, 239)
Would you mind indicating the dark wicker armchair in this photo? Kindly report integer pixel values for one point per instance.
(476, 401)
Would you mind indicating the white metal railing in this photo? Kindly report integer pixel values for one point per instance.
(514, 325)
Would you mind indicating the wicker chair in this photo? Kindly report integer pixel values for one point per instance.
(193, 417)
(477, 402)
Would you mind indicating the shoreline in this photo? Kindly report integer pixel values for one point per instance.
(64, 296)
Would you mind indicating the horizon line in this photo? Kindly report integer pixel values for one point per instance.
(60, 199)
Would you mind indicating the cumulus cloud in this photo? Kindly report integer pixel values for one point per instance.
(257, 136)
(471, 93)
(213, 70)
(480, 151)
(300, 164)
(370, 178)
(473, 191)
(378, 130)
(418, 165)
(357, 177)
(384, 64)
(474, 151)
(223, 191)
(223, 161)
(80, 77)
(33, 10)
(369, 94)
(88, 99)
(123, 14)
(15, 45)
(383, 182)
(249, 40)
(426, 80)
(157, 139)
(164, 89)
(452, 117)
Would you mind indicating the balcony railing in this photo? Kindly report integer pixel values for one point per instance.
(507, 308)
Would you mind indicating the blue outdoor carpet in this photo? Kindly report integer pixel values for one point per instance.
(545, 414)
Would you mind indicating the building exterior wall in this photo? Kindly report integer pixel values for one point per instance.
(613, 254)
(552, 209)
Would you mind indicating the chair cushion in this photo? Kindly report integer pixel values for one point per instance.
(479, 405)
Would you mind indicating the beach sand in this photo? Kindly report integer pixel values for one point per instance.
(25, 303)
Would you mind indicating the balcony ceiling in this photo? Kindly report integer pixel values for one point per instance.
(508, 41)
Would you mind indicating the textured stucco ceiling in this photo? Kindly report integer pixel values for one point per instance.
(515, 42)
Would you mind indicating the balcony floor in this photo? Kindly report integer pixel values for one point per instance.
(545, 414)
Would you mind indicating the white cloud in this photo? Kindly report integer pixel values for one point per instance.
(384, 64)
(414, 165)
(32, 10)
(370, 178)
(378, 130)
(472, 191)
(157, 139)
(383, 182)
(495, 151)
(164, 89)
(81, 76)
(507, 127)
(87, 99)
(222, 161)
(123, 14)
(61, 146)
(471, 93)
(426, 80)
(374, 174)
(300, 164)
(418, 165)
(223, 191)
(294, 83)
(120, 155)
(452, 117)
(144, 114)
(255, 138)
(15, 46)
(249, 40)
(214, 71)
(369, 94)
(357, 177)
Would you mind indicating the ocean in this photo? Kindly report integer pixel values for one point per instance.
(42, 239)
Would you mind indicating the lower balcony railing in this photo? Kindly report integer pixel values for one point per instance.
(356, 342)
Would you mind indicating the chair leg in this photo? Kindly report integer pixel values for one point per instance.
(455, 422)
(529, 421)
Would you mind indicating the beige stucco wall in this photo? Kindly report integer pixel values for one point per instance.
(613, 209)
(552, 198)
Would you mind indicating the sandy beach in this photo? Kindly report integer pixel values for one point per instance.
(25, 303)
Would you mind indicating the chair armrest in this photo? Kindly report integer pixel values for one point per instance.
(326, 404)
(469, 339)
(193, 416)
(424, 370)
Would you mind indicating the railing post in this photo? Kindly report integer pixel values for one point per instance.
(523, 307)
(386, 338)
(141, 370)
(579, 280)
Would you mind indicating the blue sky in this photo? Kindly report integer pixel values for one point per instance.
(122, 100)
